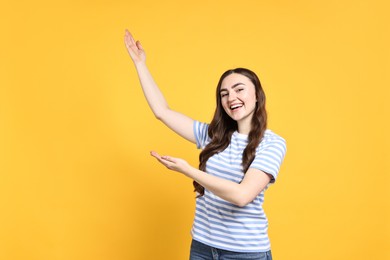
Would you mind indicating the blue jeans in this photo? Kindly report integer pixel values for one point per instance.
(200, 251)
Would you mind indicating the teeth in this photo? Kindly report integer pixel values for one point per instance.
(235, 106)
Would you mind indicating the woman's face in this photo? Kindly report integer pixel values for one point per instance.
(238, 98)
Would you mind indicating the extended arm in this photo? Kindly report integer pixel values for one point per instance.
(239, 194)
(179, 123)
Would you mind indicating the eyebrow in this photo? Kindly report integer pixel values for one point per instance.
(235, 85)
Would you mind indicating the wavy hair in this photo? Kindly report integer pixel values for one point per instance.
(222, 127)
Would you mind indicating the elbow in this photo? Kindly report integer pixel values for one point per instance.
(242, 201)
(242, 204)
(158, 116)
(160, 113)
(240, 197)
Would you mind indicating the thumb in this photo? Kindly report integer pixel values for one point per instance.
(139, 45)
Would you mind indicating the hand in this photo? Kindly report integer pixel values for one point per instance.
(175, 164)
(134, 48)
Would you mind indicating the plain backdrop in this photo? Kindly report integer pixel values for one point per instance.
(76, 177)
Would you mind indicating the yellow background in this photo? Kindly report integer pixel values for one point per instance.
(76, 178)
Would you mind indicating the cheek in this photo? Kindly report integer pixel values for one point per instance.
(224, 106)
(248, 97)
(252, 101)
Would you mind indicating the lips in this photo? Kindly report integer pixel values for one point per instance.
(235, 106)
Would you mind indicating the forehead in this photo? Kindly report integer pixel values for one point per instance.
(235, 78)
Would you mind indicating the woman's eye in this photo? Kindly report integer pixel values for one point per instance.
(240, 89)
(224, 94)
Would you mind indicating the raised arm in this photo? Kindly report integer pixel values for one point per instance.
(179, 123)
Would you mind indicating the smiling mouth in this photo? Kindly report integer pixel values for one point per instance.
(234, 107)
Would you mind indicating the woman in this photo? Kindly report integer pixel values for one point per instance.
(240, 158)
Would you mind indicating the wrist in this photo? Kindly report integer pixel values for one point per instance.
(140, 64)
(193, 173)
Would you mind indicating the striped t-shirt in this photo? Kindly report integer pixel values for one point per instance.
(221, 224)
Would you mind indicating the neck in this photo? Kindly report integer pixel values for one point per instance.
(244, 127)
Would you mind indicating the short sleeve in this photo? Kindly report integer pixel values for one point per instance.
(201, 134)
(270, 155)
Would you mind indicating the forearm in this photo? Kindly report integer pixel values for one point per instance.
(178, 122)
(239, 194)
(225, 189)
(153, 95)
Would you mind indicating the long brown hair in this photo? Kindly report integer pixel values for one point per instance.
(222, 127)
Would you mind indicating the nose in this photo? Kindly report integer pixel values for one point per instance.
(232, 95)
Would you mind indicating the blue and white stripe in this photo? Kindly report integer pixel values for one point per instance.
(221, 224)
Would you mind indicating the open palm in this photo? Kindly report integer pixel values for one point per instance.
(134, 48)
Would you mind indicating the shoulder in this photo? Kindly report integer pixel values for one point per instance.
(201, 133)
(200, 128)
(270, 138)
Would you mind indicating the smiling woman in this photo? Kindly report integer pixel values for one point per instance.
(238, 98)
(240, 158)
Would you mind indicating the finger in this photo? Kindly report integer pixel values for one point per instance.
(162, 159)
(155, 154)
(130, 37)
(168, 158)
(158, 157)
(129, 40)
(166, 163)
(127, 37)
(139, 46)
(165, 160)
